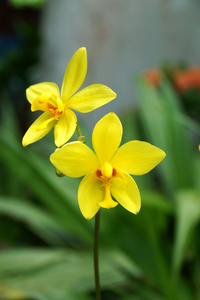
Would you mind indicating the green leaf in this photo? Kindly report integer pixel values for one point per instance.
(160, 114)
(58, 195)
(188, 215)
(21, 261)
(40, 273)
(41, 223)
(155, 200)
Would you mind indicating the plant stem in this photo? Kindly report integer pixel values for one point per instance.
(78, 130)
(96, 262)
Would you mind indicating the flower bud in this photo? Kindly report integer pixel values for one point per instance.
(82, 139)
(59, 174)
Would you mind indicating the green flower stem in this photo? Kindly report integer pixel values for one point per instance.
(78, 130)
(96, 235)
(96, 262)
(81, 138)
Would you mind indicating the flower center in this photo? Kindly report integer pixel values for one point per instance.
(56, 113)
(107, 170)
(50, 103)
(106, 173)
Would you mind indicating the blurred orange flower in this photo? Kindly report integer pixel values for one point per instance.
(153, 76)
(187, 79)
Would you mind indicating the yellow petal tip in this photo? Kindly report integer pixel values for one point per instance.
(137, 211)
(24, 144)
(163, 154)
(82, 49)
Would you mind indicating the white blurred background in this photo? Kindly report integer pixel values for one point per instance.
(122, 39)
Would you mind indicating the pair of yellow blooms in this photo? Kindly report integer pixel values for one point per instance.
(106, 169)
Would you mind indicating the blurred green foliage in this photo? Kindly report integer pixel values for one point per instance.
(154, 255)
(31, 3)
(46, 244)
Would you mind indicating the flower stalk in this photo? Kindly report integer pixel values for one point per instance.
(96, 256)
(78, 130)
(96, 235)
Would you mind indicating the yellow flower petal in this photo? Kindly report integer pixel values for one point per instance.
(90, 193)
(43, 125)
(65, 127)
(106, 137)
(40, 103)
(91, 98)
(32, 135)
(75, 159)
(126, 193)
(37, 90)
(137, 158)
(75, 74)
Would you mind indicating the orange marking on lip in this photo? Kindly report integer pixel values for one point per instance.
(98, 173)
(54, 110)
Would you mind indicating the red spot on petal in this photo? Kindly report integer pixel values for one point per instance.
(98, 173)
(114, 173)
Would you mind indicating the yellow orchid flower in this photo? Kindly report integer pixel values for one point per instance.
(107, 169)
(57, 107)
